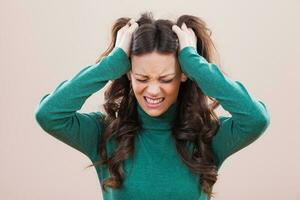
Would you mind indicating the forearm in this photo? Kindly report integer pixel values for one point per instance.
(246, 111)
(71, 94)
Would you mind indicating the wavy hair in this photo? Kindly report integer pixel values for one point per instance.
(196, 122)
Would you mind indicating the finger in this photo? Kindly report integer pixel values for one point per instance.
(193, 34)
(184, 27)
(191, 31)
(124, 28)
(133, 27)
(176, 29)
(131, 22)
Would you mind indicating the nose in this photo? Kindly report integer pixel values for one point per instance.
(153, 90)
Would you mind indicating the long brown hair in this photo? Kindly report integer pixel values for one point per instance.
(196, 122)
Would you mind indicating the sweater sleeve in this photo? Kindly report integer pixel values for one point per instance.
(249, 116)
(57, 112)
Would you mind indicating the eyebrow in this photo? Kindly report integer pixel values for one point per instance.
(160, 76)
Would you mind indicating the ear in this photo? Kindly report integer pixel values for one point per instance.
(183, 77)
(129, 75)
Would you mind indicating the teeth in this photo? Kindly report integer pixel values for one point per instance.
(156, 101)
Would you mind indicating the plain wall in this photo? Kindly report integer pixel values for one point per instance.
(43, 43)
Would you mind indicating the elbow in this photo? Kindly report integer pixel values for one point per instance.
(47, 118)
(40, 118)
(261, 120)
(51, 121)
(39, 112)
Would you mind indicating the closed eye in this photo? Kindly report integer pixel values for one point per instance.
(143, 81)
(167, 81)
(164, 81)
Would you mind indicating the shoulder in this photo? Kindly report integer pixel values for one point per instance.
(99, 115)
(223, 118)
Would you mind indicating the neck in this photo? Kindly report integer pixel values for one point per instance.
(162, 122)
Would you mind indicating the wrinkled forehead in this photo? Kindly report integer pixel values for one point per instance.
(155, 64)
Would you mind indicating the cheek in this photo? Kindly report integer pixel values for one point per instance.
(138, 88)
(170, 89)
(166, 89)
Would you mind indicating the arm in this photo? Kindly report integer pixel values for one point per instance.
(250, 117)
(57, 112)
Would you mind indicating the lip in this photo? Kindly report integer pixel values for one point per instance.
(151, 105)
(154, 98)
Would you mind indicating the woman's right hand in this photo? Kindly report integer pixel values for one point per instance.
(124, 36)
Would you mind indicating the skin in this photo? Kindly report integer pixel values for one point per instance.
(147, 76)
(153, 66)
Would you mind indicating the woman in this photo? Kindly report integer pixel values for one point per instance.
(160, 137)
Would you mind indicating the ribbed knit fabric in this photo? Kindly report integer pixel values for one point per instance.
(156, 170)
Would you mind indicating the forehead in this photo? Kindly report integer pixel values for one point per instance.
(154, 64)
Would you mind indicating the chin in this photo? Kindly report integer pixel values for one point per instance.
(154, 112)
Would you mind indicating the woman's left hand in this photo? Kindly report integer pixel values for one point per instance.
(186, 36)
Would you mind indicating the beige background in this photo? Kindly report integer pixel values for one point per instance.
(46, 42)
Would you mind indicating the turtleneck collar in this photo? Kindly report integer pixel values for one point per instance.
(161, 122)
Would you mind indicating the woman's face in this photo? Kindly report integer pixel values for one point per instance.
(155, 76)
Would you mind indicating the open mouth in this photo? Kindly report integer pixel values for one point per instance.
(153, 103)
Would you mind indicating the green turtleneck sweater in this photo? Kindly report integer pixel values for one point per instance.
(156, 172)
